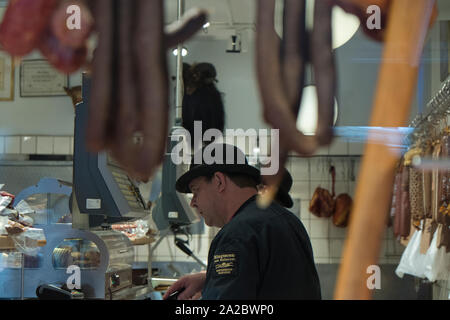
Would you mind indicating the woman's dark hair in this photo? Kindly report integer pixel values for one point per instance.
(202, 101)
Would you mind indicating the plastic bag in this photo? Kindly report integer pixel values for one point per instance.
(5, 200)
(30, 241)
(437, 261)
(412, 261)
(24, 208)
(3, 224)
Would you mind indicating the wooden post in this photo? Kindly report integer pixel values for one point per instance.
(406, 30)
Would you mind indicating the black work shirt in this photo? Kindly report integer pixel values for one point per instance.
(261, 254)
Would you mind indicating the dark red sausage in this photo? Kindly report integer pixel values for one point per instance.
(65, 59)
(152, 85)
(324, 69)
(180, 31)
(100, 97)
(122, 146)
(277, 109)
(24, 24)
(293, 51)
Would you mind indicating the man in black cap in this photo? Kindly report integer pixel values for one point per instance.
(258, 253)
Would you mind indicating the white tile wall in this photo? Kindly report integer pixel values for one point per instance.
(71, 146)
(319, 228)
(12, 144)
(28, 145)
(45, 145)
(61, 145)
(321, 247)
(300, 189)
(2, 145)
(299, 169)
(336, 247)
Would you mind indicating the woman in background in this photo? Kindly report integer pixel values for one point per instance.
(201, 101)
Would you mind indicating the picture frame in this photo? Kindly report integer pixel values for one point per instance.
(38, 78)
(7, 72)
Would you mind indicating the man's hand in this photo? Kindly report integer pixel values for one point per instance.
(191, 286)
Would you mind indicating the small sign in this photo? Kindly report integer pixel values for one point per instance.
(40, 79)
(173, 214)
(93, 203)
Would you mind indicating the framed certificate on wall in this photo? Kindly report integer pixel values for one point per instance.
(6, 77)
(39, 79)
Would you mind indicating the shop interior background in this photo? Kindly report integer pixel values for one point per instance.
(44, 126)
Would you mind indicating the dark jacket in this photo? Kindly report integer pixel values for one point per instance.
(261, 254)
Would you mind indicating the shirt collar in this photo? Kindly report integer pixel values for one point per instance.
(246, 203)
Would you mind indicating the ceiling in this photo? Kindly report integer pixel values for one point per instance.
(235, 14)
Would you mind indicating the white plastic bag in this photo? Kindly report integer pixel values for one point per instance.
(412, 261)
(24, 208)
(3, 224)
(437, 261)
(29, 241)
(5, 200)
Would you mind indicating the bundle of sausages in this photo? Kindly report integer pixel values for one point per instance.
(281, 68)
(129, 95)
(129, 106)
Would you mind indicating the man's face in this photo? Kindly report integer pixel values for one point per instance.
(204, 201)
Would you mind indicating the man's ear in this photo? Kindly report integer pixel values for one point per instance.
(220, 181)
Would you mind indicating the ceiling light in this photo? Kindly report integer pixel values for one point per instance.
(307, 117)
(344, 25)
(184, 52)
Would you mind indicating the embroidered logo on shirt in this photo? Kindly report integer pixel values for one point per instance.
(225, 264)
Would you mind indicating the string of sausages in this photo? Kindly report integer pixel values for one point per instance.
(128, 113)
(281, 71)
